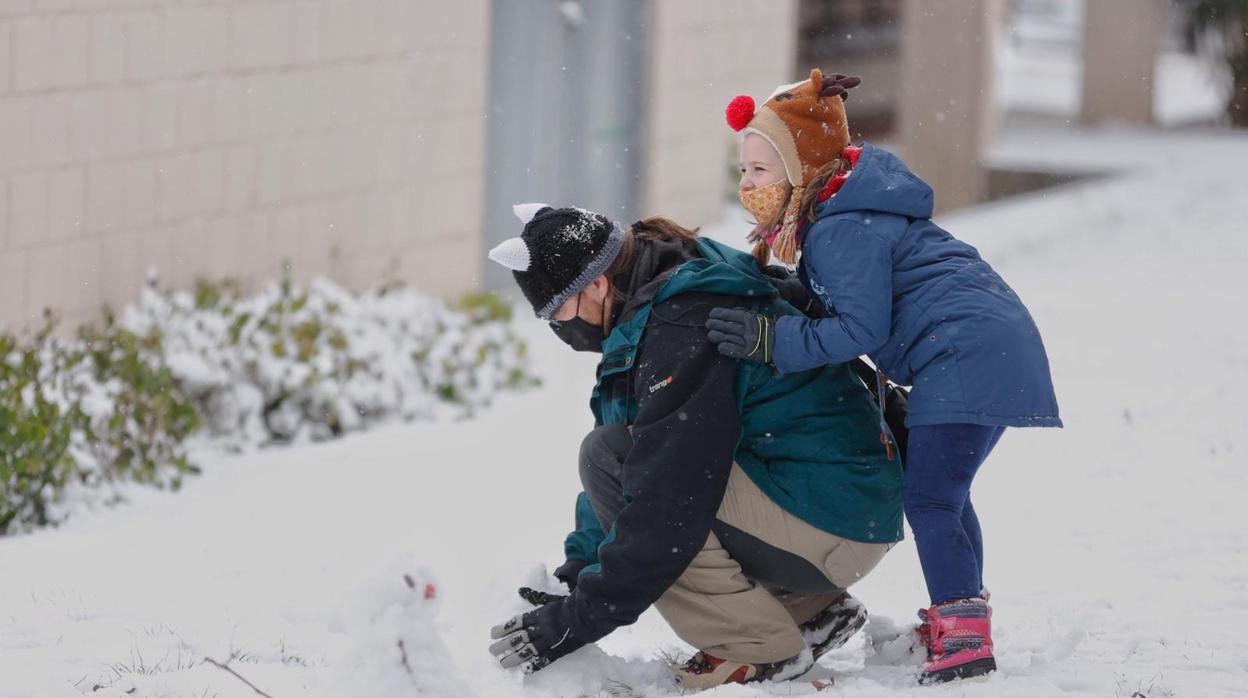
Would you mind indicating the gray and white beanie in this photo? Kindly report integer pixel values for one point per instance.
(559, 253)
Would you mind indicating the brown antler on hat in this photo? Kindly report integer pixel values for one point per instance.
(839, 85)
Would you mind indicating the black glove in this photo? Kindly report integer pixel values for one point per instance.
(568, 572)
(539, 598)
(790, 287)
(741, 334)
(535, 639)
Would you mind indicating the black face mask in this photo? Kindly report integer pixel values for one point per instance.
(577, 333)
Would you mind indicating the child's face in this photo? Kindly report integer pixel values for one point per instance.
(760, 163)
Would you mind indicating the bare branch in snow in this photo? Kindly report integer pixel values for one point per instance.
(406, 665)
(226, 668)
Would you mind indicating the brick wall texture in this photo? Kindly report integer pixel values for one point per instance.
(228, 137)
(205, 138)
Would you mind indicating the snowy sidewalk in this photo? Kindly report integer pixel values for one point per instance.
(1116, 549)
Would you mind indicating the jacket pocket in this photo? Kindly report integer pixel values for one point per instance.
(933, 349)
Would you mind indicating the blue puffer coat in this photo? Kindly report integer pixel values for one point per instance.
(924, 306)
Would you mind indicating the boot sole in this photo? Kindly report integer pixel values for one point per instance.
(979, 667)
(841, 635)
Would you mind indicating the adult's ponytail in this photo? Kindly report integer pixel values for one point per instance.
(660, 228)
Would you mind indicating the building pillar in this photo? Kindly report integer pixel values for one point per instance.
(1121, 39)
(946, 117)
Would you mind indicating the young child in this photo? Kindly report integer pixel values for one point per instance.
(922, 305)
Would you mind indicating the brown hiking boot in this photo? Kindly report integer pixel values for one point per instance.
(706, 671)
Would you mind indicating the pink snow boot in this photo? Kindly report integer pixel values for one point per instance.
(958, 637)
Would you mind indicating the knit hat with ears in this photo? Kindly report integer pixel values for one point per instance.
(559, 253)
(805, 122)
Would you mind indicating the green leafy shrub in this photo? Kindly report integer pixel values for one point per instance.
(99, 410)
(120, 402)
(36, 432)
(289, 362)
(146, 416)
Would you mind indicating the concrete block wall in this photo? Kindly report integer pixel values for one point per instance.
(215, 137)
(945, 124)
(704, 53)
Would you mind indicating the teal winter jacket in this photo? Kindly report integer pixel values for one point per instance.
(809, 439)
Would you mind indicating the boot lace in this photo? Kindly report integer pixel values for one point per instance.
(699, 663)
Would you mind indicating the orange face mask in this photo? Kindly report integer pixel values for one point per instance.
(766, 202)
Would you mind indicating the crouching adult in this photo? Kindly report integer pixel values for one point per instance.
(740, 502)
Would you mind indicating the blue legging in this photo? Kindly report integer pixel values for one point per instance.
(942, 460)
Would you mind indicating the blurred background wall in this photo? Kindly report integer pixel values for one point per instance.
(617, 105)
(378, 140)
(702, 57)
(345, 138)
(227, 138)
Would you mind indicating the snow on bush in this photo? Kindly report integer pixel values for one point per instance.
(288, 362)
(118, 403)
(85, 413)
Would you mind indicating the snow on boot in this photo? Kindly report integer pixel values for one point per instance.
(704, 671)
(833, 626)
(958, 636)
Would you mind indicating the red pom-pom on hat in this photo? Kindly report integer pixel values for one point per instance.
(740, 112)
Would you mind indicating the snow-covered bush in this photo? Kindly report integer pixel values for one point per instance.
(35, 434)
(285, 362)
(137, 414)
(100, 409)
(288, 361)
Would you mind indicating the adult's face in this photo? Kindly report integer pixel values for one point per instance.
(587, 305)
(580, 321)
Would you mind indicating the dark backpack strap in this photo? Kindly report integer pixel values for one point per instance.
(896, 402)
(864, 372)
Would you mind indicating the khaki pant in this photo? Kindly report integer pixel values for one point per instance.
(760, 574)
(715, 607)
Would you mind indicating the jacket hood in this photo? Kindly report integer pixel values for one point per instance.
(652, 264)
(881, 182)
(662, 269)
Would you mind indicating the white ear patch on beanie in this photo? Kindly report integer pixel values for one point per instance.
(513, 253)
(525, 212)
(785, 88)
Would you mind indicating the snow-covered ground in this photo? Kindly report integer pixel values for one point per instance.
(1117, 555)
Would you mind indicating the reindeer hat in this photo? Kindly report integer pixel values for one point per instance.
(805, 122)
